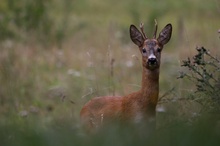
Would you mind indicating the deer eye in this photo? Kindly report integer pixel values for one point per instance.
(144, 50)
(158, 49)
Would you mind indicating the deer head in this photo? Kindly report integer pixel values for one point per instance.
(150, 48)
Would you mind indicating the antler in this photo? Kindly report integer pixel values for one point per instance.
(142, 30)
(155, 31)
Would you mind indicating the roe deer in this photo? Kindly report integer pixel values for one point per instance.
(138, 106)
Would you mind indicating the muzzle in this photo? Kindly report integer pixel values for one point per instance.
(152, 60)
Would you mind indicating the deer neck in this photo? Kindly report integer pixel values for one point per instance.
(150, 86)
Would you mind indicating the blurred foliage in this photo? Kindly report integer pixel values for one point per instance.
(22, 16)
(204, 132)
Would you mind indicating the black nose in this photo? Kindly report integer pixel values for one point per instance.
(152, 60)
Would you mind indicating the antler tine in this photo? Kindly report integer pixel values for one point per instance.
(155, 31)
(142, 30)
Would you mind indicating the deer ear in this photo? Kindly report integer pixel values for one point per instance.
(165, 34)
(136, 36)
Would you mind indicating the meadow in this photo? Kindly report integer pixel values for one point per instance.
(56, 55)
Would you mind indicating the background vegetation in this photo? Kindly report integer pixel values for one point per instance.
(56, 55)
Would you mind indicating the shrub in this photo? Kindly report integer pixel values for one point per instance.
(203, 72)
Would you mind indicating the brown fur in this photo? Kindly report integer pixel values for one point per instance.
(138, 106)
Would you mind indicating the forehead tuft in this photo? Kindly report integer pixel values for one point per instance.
(151, 42)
